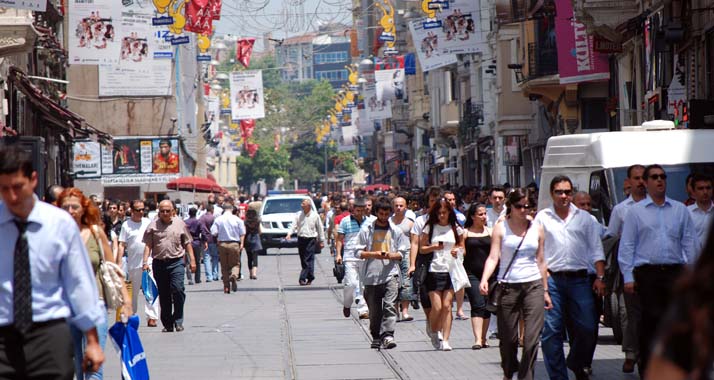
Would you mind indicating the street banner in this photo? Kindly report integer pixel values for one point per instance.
(364, 126)
(347, 139)
(166, 158)
(137, 16)
(86, 159)
(431, 54)
(129, 156)
(458, 33)
(92, 32)
(216, 8)
(244, 50)
(199, 16)
(247, 95)
(34, 5)
(376, 109)
(151, 79)
(390, 84)
(213, 113)
(136, 36)
(577, 59)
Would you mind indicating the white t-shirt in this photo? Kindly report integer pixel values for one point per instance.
(440, 262)
(492, 216)
(132, 234)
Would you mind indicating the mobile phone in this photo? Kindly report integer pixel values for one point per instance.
(441, 244)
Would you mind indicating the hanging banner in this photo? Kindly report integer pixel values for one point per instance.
(376, 109)
(152, 79)
(390, 84)
(346, 142)
(247, 95)
(86, 159)
(213, 113)
(364, 126)
(244, 50)
(136, 35)
(34, 5)
(199, 16)
(459, 33)
(92, 36)
(216, 8)
(431, 55)
(577, 59)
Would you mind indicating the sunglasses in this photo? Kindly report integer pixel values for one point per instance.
(561, 192)
(165, 211)
(71, 207)
(138, 210)
(658, 176)
(518, 206)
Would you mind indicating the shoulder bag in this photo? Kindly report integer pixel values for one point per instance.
(495, 293)
(111, 277)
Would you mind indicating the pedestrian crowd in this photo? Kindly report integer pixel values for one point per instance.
(533, 279)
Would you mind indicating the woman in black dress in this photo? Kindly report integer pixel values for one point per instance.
(478, 245)
(253, 245)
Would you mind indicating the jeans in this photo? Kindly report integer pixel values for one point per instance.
(306, 250)
(79, 342)
(211, 261)
(476, 299)
(382, 303)
(405, 289)
(574, 302)
(352, 291)
(169, 280)
(526, 300)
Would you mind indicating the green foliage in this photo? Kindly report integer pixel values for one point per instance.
(268, 164)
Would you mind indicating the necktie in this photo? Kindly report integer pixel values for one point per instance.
(22, 281)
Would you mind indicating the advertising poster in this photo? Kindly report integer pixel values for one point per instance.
(138, 14)
(577, 59)
(512, 151)
(213, 113)
(458, 33)
(429, 51)
(390, 84)
(347, 139)
(125, 157)
(376, 109)
(35, 5)
(93, 36)
(145, 148)
(107, 164)
(86, 159)
(136, 36)
(364, 126)
(151, 79)
(166, 158)
(247, 95)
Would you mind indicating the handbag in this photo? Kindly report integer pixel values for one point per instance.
(495, 293)
(339, 272)
(111, 276)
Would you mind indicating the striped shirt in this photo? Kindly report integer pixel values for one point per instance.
(349, 227)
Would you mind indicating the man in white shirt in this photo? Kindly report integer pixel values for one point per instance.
(702, 210)
(230, 232)
(497, 198)
(131, 241)
(572, 246)
(311, 235)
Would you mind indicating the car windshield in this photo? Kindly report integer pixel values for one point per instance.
(278, 205)
(676, 176)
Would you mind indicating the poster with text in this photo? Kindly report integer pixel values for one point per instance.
(136, 36)
(428, 46)
(137, 15)
(376, 109)
(390, 84)
(577, 59)
(460, 31)
(86, 159)
(247, 95)
(151, 79)
(34, 5)
(166, 158)
(93, 38)
(213, 113)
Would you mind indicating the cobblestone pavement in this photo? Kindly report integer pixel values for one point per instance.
(272, 328)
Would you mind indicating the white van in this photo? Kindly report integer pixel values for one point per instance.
(597, 162)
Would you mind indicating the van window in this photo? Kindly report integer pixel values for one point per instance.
(600, 196)
(676, 175)
(278, 206)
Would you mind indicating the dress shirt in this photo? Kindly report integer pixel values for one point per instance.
(228, 227)
(167, 241)
(571, 244)
(617, 216)
(702, 221)
(308, 226)
(654, 234)
(492, 216)
(63, 282)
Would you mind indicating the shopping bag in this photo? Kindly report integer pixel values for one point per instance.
(148, 286)
(133, 358)
(459, 278)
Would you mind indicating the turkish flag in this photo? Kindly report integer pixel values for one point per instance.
(246, 128)
(244, 49)
(252, 149)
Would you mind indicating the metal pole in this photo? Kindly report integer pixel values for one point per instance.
(325, 189)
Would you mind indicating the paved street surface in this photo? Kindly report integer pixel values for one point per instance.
(275, 329)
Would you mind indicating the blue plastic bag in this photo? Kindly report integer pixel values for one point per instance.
(133, 358)
(148, 286)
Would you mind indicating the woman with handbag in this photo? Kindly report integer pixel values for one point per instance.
(88, 218)
(522, 287)
(442, 237)
(253, 246)
(477, 240)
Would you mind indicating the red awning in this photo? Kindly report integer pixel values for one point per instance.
(195, 184)
(377, 186)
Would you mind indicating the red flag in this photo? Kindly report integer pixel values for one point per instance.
(244, 49)
(199, 17)
(246, 128)
(252, 149)
(216, 9)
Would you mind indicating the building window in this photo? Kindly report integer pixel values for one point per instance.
(330, 57)
(331, 75)
(594, 114)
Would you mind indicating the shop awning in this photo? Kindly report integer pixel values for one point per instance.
(53, 112)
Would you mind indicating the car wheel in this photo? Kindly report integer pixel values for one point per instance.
(612, 316)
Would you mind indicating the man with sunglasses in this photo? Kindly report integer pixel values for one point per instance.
(131, 241)
(658, 239)
(572, 250)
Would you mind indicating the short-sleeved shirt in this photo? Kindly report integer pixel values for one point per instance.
(440, 262)
(132, 234)
(349, 227)
(167, 241)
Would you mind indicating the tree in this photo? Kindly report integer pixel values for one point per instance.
(268, 165)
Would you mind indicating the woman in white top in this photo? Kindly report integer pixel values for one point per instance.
(526, 286)
(442, 236)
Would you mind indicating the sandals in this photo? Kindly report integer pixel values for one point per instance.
(476, 347)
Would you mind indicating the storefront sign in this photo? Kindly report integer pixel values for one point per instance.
(577, 59)
(34, 5)
(86, 159)
(137, 179)
(603, 45)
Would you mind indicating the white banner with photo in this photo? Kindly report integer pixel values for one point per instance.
(346, 142)
(152, 79)
(86, 159)
(213, 113)
(137, 25)
(459, 32)
(93, 38)
(376, 109)
(428, 46)
(35, 5)
(247, 95)
(390, 84)
(364, 126)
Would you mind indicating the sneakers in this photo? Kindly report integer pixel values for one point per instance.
(346, 312)
(388, 343)
(415, 304)
(445, 345)
(435, 341)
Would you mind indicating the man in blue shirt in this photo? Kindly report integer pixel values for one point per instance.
(46, 281)
(658, 239)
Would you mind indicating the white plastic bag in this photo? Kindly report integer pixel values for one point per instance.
(459, 278)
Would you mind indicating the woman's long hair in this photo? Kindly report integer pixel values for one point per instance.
(470, 214)
(515, 196)
(252, 221)
(91, 214)
(433, 218)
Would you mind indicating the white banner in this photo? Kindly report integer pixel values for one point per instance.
(35, 5)
(137, 179)
(86, 159)
(459, 32)
(107, 160)
(247, 95)
(364, 126)
(376, 109)
(429, 50)
(390, 84)
(93, 38)
(137, 30)
(213, 113)
(347, 140)
(153, 79)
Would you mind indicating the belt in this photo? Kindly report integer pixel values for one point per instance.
(228, 241)
(659, 267)
(35, 325)
(569, 274)
(171, 260)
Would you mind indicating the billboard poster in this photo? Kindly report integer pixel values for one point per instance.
(86, 159)
(93, 36)
(247, 95)
(34, 5)
(459, 33)
(376, 109)
(577, 59)
(512, 151)
(429, 50)
(166, 158)
(151, 79)
(125, 156)
(390, 84)
(145, 147)
(213, 113)
(347, 139)
(139, 156)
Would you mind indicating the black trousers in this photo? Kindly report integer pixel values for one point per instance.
(169, 280)
(306, 250)
(45, 352)
(654, 288)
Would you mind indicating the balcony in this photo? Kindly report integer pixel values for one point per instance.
(16, 32)
(449, 120)
(542, 61)
(604, 16)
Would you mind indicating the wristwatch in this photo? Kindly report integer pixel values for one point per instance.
(601, 278)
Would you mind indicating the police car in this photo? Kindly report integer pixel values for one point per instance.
(277, 215)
